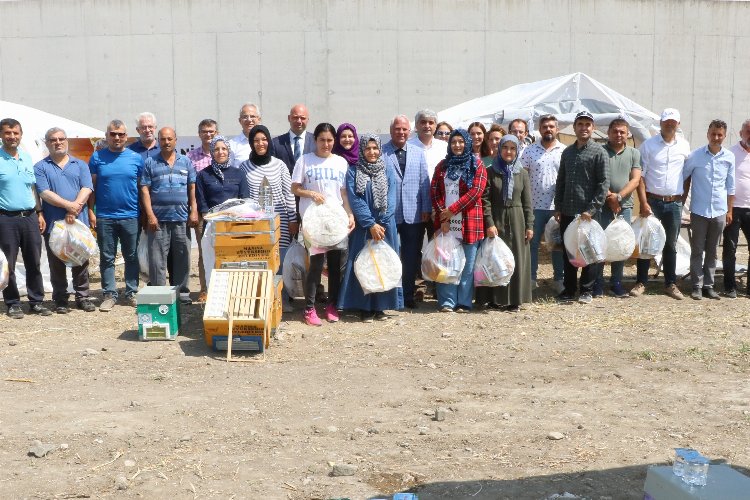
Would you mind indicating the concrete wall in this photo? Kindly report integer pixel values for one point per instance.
(363, 61)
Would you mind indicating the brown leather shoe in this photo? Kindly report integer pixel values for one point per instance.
(674, 292)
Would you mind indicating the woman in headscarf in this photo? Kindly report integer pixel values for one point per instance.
(508, 213)
(347, 143)
(372, 190)
(220, 181)
(262, 164)
(456, 191)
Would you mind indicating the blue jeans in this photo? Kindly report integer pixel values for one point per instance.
(108, 233)
(617, 268)
(462, 293)
(411, 236)
(670, 214)
(540, 220)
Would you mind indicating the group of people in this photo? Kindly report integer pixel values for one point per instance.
(471, 184)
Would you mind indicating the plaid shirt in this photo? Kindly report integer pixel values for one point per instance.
(199, 158)
(582, 180)
(469, 205)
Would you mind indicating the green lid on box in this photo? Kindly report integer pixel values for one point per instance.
(157, 295)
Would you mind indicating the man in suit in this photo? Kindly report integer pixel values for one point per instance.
(413, 208)
(290, 146)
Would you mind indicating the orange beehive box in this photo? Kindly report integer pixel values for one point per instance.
(250, 238)
(250, 253)
(248, 225)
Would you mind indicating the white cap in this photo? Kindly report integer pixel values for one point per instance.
(670, 114)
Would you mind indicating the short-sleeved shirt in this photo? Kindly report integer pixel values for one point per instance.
(116, 188)
(741, 176)
(326, 176)
(169, 187)
(201, 159)
(542, 165)
(139, 148)
(16, 181)
(662, 164)
(65, 182)
(620, 166)
(712, 179)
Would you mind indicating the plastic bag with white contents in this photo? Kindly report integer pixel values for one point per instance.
(494, 264)
(378, 267)
(325, 225)
(4, 271)
(650, 237)
(295, 267)
(585, 242)
(552, 237)
(620, 240)
(72, 243)
(443, 260)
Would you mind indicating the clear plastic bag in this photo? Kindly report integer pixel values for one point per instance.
(553, 239)
(325, 225)
(295, 267)
(236, 208)
(72, 243)
(620, 240)
(378, 267)
(4, 271)
(494, 264)
(585, 242)
(443, 260)
(143, 252)
(650, 237)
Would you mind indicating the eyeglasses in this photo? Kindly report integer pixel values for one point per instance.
(118, 134)
(201, 132)
(249, 117)
(442, 133)
(54, 140)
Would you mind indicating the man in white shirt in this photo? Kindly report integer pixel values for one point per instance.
(660, 194)
(520, 129)
(542, 160)
(249, 117)
(434, 150)
(740, 211)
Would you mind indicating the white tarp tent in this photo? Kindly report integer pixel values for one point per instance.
(563, 97)
(35, 124)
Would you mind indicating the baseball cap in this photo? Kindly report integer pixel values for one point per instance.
(584, 114)
(670, 114)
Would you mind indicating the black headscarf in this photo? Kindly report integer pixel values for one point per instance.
(255, 157)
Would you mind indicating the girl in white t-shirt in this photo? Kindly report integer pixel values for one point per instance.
(318, 177)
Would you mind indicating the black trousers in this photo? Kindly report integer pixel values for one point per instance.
(740, 222)
(570, 272)
(58, 276)
(312, 279)
(22, 233)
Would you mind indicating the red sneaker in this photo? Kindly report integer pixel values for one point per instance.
(332, 314)
(311, 318)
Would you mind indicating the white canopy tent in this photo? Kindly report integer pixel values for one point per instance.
(563, 97)
(35, 124)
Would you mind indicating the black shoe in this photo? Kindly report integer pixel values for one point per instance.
(381, 316)
(86, 305)
(710, 293)
(39, 309)
(512, 309)
(15, 312)
(731, 294)
(410, 304)
(62, 307)
(366, 316)
(565, 297)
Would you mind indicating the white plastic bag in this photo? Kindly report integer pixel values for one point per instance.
(207, 247)
(495, 263)
(72, 243)
(585, 242)
(236, 208)
(378, 267)
(4, 271)
(443, 260)
(620, 240)
(650, 237)
(143, 252)
(552, 238)
(325, 225)
(295, 267)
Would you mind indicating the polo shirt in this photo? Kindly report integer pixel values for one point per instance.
(16, 181)
(620, 166)
(169, 187)
(116, 189)
(662, 164)
(139, 148)
(741, 176)
(712, 179)
(64, 182)
(582, 180)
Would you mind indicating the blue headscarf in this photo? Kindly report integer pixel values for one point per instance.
(507, 170)
(462, 166)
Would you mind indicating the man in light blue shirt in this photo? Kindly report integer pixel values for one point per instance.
(709, 171)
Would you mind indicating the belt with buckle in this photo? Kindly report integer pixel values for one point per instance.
(17, 213)
(666, 199)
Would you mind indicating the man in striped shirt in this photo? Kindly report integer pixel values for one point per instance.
(168, 195)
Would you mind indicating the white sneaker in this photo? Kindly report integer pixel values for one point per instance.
(558, 286)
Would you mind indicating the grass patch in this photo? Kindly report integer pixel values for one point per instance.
(646, 354)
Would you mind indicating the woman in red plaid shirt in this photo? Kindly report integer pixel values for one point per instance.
(457, 187)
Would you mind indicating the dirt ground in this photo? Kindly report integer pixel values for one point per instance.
(623, 381)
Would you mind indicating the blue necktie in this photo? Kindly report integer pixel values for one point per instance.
(296, 148)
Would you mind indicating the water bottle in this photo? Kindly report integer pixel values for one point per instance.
(678, 466)
(696, 470)
(265, 197)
